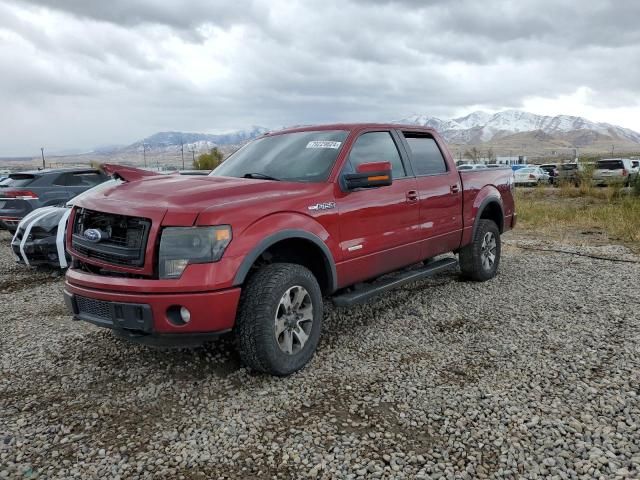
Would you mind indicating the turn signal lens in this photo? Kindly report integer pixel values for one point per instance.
(223, 234)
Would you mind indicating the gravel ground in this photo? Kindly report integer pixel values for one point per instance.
(534, 374)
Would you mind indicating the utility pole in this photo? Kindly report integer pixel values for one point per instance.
(182, 151)
(193, 154)
(42, 152)
(612, 148)
(144, 153)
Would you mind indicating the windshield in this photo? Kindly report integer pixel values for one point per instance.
(296, 157)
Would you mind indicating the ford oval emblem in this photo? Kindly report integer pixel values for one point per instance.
(93, 235)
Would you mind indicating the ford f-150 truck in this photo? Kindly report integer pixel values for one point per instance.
(343, 211)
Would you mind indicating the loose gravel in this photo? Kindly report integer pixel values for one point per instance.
(535, 374)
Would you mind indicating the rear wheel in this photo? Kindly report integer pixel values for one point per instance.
(279, 319)
(479, 261)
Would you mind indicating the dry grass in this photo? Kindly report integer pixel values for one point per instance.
(552, 211)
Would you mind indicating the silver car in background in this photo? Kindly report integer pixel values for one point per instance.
(531, 176)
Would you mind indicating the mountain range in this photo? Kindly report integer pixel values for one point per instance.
(482, 127)
(508, 132)
(166, 142)
(505, 131)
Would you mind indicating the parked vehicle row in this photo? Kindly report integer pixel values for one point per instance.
(620, 171)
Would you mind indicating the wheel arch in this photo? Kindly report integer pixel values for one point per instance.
(297, 246)
(490, 208)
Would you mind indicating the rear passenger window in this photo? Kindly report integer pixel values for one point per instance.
(85, 179)
(61, 180)
(376, 147)
(425, 155)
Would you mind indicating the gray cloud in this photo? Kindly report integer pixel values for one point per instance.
(177, 14)
(77, 73)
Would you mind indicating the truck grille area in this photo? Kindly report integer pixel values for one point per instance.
(95, 308)
(125, 237)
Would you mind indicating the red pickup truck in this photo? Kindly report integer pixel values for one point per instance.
(290, 218)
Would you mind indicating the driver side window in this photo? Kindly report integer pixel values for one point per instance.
(376, 147)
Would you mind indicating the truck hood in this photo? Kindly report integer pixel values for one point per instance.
(192, 195)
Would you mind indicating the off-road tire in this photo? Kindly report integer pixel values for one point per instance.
(255, 322)
(470, 257)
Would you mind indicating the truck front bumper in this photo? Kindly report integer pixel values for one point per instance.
(155, 319)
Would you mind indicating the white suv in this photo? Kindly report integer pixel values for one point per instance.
(614, 170)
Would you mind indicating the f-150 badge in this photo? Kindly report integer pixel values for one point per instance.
(322, 206)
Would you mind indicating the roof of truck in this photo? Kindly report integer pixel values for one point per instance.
(350, 127)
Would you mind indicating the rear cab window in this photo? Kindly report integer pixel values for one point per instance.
(426, 157)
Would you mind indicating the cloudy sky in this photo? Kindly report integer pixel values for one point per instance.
(79, 73)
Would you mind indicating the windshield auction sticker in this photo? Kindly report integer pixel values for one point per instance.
(323, 144)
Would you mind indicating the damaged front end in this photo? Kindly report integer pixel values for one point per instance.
(40, 236)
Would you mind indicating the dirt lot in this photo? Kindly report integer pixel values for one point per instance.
(534, 374)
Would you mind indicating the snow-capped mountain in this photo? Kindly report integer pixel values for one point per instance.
(504, 130)
(481, 126)
(168, 142)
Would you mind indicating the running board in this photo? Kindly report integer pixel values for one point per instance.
(363, 294)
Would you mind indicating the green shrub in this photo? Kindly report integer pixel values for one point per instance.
(208, 161)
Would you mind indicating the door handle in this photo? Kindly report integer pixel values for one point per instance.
(455, 188)
(412, 196)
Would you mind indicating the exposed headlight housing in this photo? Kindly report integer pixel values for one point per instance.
(180, 246)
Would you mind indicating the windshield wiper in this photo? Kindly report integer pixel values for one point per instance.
(260, 176)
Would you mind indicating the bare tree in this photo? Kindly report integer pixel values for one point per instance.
(491, 156)
(473, 154)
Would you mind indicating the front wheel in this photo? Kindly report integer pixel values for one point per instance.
(480, 259)
(279, 319)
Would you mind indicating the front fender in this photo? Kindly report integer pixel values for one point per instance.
(255, 239)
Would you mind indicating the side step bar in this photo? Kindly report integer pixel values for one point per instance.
(363, 294)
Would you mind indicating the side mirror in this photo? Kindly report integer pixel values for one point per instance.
(369, 175)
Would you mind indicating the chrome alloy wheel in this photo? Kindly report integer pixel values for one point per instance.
(488, 251)
(294, 319)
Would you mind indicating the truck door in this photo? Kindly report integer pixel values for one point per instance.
(378, 226)
(439, 195)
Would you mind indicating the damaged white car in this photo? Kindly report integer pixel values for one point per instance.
(40, 236)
